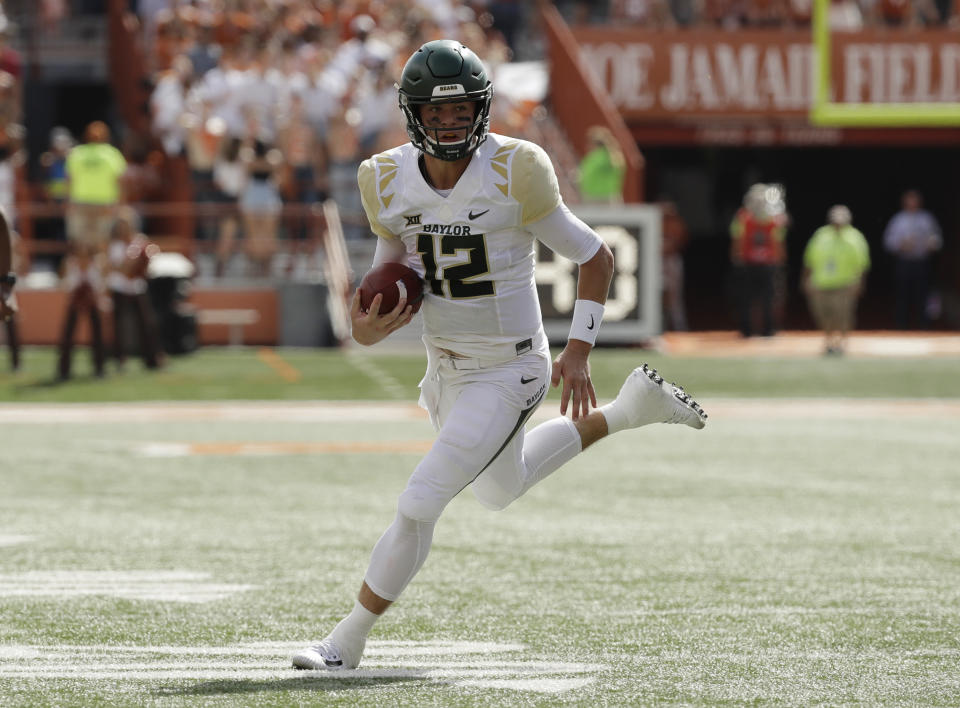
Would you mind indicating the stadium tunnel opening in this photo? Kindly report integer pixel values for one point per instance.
(708, 184)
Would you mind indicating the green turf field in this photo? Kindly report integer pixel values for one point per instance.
(371, 374)
(801, 550)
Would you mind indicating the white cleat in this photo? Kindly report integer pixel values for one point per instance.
(325, 656)
(646, 398)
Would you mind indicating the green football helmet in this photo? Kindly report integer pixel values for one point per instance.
(445, 71)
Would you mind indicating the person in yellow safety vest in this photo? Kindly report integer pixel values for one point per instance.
(601, 171)
(835, 262)
(94, 170)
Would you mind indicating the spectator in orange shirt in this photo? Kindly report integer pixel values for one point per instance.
(757, 252)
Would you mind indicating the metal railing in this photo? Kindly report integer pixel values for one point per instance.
(294, 243)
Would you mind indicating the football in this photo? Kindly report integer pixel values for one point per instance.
(393, 281)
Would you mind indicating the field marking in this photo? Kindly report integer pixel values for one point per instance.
(377, 373)
(375, 648)
(14, 539)
(461, 664)
(182, 449)
(153, 585)
(394, 411)
(833, 408)
(284, 369)
(213, 411)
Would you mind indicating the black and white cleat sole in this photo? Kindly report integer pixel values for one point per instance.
(687, 400)
(678, 392)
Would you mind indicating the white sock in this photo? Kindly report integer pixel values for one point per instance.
(354, 628)
(616, 418)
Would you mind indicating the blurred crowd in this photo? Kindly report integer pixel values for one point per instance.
(851, 15)
(275, 105)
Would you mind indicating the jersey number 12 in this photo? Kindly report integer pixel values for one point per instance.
(459, 276)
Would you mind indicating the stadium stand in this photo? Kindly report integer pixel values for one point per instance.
(208, 94)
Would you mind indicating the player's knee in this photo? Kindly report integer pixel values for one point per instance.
(492, 496)
(435, 482)
(411, 527)
(493, 504)
(416, 505)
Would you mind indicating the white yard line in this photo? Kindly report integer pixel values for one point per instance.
(463, 664)
(366, 366)
(158, 586)
(14, 539)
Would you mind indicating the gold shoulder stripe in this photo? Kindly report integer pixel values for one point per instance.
(386, 180)
(370, 197)
(388, 169)
(499, 164)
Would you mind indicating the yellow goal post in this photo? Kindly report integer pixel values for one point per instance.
(825, 112)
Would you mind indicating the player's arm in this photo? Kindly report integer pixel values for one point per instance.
(572, 366)
(371, 326)
(567, 235)
(534, 185)
(7, 308)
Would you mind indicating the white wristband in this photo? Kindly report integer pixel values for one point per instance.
(587, 316)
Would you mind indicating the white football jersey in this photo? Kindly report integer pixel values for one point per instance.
(471, 247)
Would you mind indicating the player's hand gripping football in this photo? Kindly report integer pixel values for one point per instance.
(370, 327)
(573, 368)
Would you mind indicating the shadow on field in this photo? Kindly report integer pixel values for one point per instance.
(313, 682)
(55, 382)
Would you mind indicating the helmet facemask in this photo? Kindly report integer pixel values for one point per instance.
(428, 138)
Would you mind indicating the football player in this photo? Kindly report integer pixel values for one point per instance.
(464, 207)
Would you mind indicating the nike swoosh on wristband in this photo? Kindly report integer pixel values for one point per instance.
(473, 216)
(525, 380)
(590, 326)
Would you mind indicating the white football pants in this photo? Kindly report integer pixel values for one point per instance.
(481, 444)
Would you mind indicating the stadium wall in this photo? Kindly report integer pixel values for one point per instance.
(260, 325)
